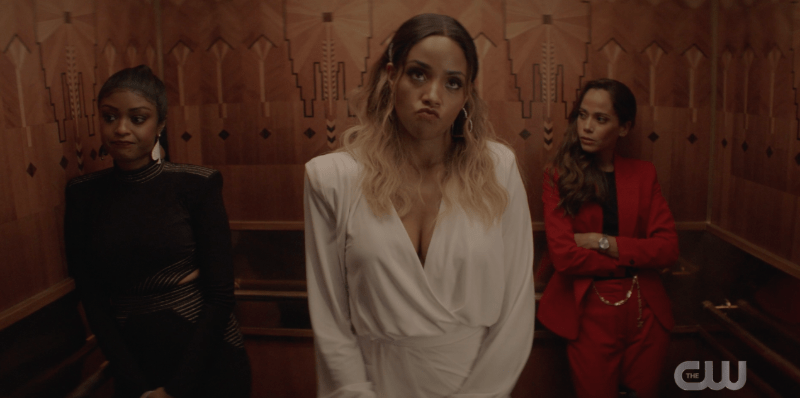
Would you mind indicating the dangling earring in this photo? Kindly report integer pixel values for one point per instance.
(156, 153)
(466, 117)
(103, 151)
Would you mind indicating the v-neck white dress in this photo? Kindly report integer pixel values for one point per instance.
(384, 325)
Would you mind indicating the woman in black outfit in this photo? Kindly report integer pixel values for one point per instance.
(148, 244)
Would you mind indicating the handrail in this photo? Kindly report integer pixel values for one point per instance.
(92, 383)
(752, 378)
(767, 353)
(271, 284)
(266, 295)
(36, 383)
(782, 330)
(276, 332)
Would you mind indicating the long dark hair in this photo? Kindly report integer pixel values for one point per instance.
(580, 178)
(141, 80)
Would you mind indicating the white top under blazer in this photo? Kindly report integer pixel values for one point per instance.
(384, 325)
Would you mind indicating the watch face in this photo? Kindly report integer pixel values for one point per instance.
(603, 243)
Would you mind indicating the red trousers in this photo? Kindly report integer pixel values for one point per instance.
(611, 350)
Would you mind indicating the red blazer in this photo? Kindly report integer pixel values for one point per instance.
(647, 240)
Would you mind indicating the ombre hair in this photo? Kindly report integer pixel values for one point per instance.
(580, 179)
(469, 179)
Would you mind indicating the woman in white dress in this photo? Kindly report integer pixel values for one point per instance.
(419, 246)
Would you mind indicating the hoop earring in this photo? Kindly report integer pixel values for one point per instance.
(466, 116)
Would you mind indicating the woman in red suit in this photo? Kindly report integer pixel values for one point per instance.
(609, 232)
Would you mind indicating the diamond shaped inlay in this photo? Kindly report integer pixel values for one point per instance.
(653, 136)
(224, 134)
(93, 154)
(745, 146)
(769, 152)
(692, 138)
(31, 169)
(309, 133)
(724, 143)
(265, 134)
(525, 134)
(64, 162)
(186, 136)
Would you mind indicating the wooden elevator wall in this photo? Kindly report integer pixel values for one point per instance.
(55, 56)
(259, 87)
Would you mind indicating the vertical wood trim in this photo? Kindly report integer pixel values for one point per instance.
(159, 39)
(713, 142)
(35, 303)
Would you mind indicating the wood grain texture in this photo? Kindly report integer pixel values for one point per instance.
(36, 302)
(48, 124)
(755, 168)
(259, 87)
(534, 56)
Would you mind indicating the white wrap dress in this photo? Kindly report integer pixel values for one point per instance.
(384, 325)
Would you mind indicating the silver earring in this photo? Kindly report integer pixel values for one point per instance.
(466, 117)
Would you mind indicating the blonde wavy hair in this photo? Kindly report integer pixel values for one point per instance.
(469, 180)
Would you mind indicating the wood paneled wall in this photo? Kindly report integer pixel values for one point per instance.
(756, 172)
(259, 87)
(55, 55)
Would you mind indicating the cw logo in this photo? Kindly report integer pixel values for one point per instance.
(708, 379)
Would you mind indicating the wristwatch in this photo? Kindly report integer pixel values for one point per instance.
(603, 243)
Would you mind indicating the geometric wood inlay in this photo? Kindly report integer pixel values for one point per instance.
(110, 53)
(612, 50)
(548, 134)
(265, 134)
(181, 53)
(323, 38)
(224, 134)
(747, 58)
(16, 52)
(525, 134)
(692, 138)
(330, 125)
(693, 57)
(186, 136)
(654, 52)
(31, 169)
(547, 44)
(309, 132)
(653, 136)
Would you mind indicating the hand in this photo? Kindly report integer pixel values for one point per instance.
(588, 240)
(159, 393)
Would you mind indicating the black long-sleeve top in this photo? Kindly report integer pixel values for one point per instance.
(121, 227)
